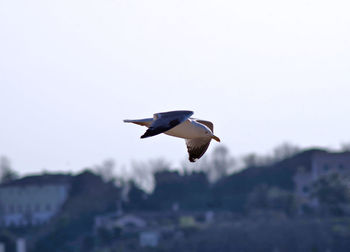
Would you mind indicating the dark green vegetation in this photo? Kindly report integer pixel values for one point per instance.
(265, 235)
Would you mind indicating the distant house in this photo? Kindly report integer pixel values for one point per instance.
(130, 220)
(127, 222)
(32, 200)
(149, 238)
(322, 164)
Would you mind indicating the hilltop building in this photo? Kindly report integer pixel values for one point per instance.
(32, 200)
(322, 164)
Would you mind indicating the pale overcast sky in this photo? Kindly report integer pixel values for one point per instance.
(264, 72)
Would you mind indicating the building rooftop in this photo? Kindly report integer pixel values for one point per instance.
(40, 180)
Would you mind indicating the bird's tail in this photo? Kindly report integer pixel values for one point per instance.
(143, 122)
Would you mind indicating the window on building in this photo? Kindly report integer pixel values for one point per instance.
(19, 209)
(341, 167)
(37, 207)
(326, 167)
(48, 207)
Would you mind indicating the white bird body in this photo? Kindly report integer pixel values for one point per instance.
(189, 129)
(198, 133)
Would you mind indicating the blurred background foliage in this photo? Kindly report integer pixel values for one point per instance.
(253, 197)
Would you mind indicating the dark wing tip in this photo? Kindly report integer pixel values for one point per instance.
(196, 152)
(154, 131)
(148, 133)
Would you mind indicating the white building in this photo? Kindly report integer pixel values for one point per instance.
(322, 164)
(32, 200)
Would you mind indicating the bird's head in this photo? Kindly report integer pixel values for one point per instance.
(210, 134)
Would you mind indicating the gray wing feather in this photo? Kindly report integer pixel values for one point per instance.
(165, 121)
(197, 147)
(172, 114)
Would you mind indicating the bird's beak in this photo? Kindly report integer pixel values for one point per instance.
(215, 138)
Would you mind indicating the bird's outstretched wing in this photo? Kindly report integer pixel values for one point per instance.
(197, 147)
(165, 121)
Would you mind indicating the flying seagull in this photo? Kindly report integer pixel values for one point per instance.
(198, 133)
